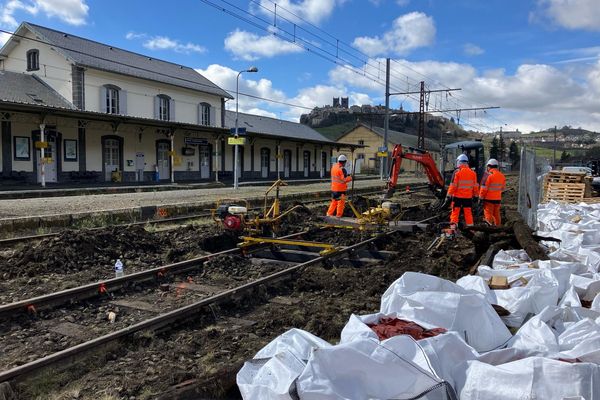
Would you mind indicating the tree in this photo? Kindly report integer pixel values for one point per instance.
(564, 156)
(494, 148)
(501, 148)
(513, 154)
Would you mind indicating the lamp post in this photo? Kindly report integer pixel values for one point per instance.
(237, 95)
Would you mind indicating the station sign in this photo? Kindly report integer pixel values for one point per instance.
(193, 140)
(240, 131)
(382, 154)
(382, 149)
(41, 145)
(236, 141)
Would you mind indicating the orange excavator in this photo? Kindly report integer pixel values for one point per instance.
(436, 180)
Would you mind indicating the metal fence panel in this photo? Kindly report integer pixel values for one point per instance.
(531, 177)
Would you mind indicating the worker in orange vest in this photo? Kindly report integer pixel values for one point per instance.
(339, 185)
(492, 185)
(463, 191)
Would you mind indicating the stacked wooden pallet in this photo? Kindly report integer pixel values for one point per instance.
(567, 187)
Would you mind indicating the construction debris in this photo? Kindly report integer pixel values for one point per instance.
(541, 300)
(567, 187)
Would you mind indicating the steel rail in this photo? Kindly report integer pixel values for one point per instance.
(11, 241)
(176, 315)
(103, 288)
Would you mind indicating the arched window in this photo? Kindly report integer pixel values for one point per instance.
(33, 60)
(204, 114)
(164, 108)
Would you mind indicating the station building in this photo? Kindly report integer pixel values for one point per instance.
(108, 114)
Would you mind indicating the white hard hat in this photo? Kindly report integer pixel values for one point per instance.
(342, 158)
(493, 162)
(462, 159)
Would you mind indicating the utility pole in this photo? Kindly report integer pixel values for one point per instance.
(386, 121)
(554, 153)
(421, 137)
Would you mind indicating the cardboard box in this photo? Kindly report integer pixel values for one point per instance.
(499, 282)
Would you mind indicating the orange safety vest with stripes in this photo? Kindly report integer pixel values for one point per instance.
(464, 183)
(492, 185)
(339, 178)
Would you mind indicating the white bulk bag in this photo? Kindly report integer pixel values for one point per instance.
(530, 378)
(367, 369)
(270, 375)
(435, 301)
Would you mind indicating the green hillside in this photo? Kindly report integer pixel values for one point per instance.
(334, 132)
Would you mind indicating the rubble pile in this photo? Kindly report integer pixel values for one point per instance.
(544, 344)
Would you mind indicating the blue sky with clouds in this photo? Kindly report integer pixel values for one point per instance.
(536, 59)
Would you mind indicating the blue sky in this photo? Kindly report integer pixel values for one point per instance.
(536, 59)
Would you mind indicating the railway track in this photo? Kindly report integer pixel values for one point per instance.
(278, 261)
(196, 216)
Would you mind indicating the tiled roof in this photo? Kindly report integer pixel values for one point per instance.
(88, 53)
(273, 127)
(28, 89)
(405, 139)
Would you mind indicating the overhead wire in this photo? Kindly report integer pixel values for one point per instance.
(148, 70)
(338, 41)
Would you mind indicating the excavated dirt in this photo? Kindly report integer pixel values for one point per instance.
(200, 361)
(27, 338)
(82, 256)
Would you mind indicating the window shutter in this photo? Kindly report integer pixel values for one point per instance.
(171, 110)
(200, 114)
(156, 107)
(123, 102)
(102, 106)
(213, 116)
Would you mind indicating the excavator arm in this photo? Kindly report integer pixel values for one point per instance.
(436, 181)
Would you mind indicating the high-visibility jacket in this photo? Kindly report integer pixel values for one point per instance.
(492, 185)
(464, 183)
(339, 178)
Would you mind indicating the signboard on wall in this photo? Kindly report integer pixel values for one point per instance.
(240, 131)
(194, 140)
(238, 141)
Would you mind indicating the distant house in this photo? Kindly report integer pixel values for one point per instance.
(372, 139)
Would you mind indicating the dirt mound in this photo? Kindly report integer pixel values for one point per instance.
(226, 267)
(73, 251)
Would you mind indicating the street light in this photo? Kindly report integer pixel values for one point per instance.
(237, 95)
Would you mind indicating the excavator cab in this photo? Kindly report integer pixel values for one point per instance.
(473, 150)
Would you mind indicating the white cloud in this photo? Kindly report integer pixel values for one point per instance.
(471, 49)
(409, 31)
(165, 43)
(314, 11)
(225, 77)
(402, 3)
(73, 12)
(250, 46)
(570, 14)
(534, 97)
(4, 38)
(308, 97)
(133, 35)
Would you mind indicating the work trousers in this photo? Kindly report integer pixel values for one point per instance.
(466, 205)
(338, 202)
(491, 212)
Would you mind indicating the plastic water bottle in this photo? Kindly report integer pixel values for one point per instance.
(119, 268)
